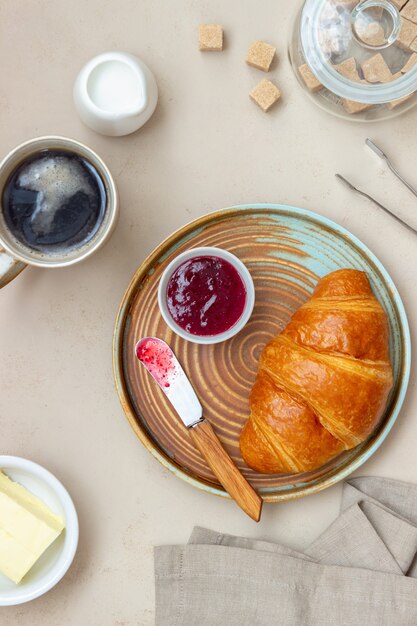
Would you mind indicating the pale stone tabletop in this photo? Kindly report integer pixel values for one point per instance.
(206, 147)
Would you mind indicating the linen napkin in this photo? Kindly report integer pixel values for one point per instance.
(361, 571)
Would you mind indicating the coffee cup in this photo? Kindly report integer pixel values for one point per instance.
(49, 187)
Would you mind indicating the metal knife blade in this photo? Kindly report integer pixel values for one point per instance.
(160, 361)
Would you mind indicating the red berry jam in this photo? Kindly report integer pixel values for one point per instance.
(206, 295)
(158, 359)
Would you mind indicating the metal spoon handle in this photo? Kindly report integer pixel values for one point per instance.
(387, 160)
(398, 175)
(378, 204)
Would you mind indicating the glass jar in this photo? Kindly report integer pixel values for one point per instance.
(357, 59)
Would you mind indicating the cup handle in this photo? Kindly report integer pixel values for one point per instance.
(9, 268)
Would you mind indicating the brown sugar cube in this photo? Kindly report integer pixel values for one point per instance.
(345, 4)
(410, 63)
(329, 44)
(348, 69)
(372, 34)
(210, 37)
(396, 103)
(410, 11)
(355, 107)
(395, 76)
(265, 94)
(260, 55)
(329, 13)
(407, 34)
(375, 70)
(413, 46)
(399, 3)
(311, 82)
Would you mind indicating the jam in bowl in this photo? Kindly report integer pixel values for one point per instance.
(206, 295)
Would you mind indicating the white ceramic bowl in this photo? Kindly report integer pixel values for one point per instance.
(239, 267)
(55, 561)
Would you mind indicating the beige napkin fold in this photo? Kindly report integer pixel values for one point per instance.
(361, 571)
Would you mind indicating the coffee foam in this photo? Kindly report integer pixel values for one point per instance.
(56, 179)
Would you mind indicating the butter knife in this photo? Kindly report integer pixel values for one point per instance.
(160, 361)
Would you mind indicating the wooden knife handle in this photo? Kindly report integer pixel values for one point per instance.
(206, 440)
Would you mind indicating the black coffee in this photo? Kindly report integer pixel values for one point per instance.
(54, 201)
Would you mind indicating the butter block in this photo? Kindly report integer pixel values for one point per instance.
(27, 529)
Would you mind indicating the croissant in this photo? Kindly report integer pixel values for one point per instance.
(323, 383)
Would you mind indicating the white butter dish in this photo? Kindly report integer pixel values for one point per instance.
(57, 558)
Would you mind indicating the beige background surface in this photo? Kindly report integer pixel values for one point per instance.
(207, 146)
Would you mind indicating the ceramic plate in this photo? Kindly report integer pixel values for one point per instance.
(286, 250)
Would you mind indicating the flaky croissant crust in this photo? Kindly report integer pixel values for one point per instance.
(323, 383)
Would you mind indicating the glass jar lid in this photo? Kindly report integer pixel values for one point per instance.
(363, 51)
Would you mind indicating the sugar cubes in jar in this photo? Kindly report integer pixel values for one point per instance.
(357, 59)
